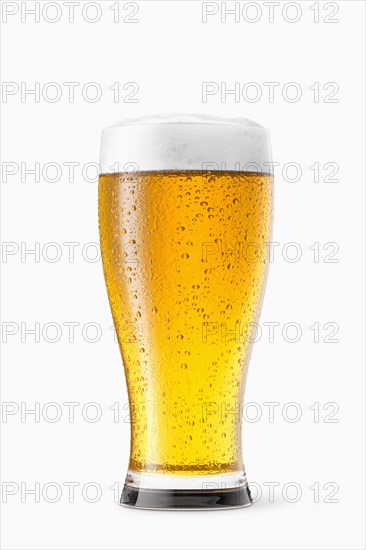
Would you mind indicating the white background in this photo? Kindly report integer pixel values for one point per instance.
(169, 53)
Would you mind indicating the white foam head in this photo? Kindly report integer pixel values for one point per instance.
(186, 142)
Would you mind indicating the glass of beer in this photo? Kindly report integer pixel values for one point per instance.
(185, 218)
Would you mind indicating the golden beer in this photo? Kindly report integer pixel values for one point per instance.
(184, 257)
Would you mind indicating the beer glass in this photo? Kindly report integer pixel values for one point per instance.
(184, 218)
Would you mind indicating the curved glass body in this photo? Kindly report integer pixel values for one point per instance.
(184, 249)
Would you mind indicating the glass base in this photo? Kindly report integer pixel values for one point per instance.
(166, 492)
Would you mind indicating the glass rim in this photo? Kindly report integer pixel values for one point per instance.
(183, 118)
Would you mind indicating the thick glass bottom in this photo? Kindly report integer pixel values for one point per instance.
(166, 492)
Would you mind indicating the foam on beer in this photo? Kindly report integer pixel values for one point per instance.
(185, 142)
